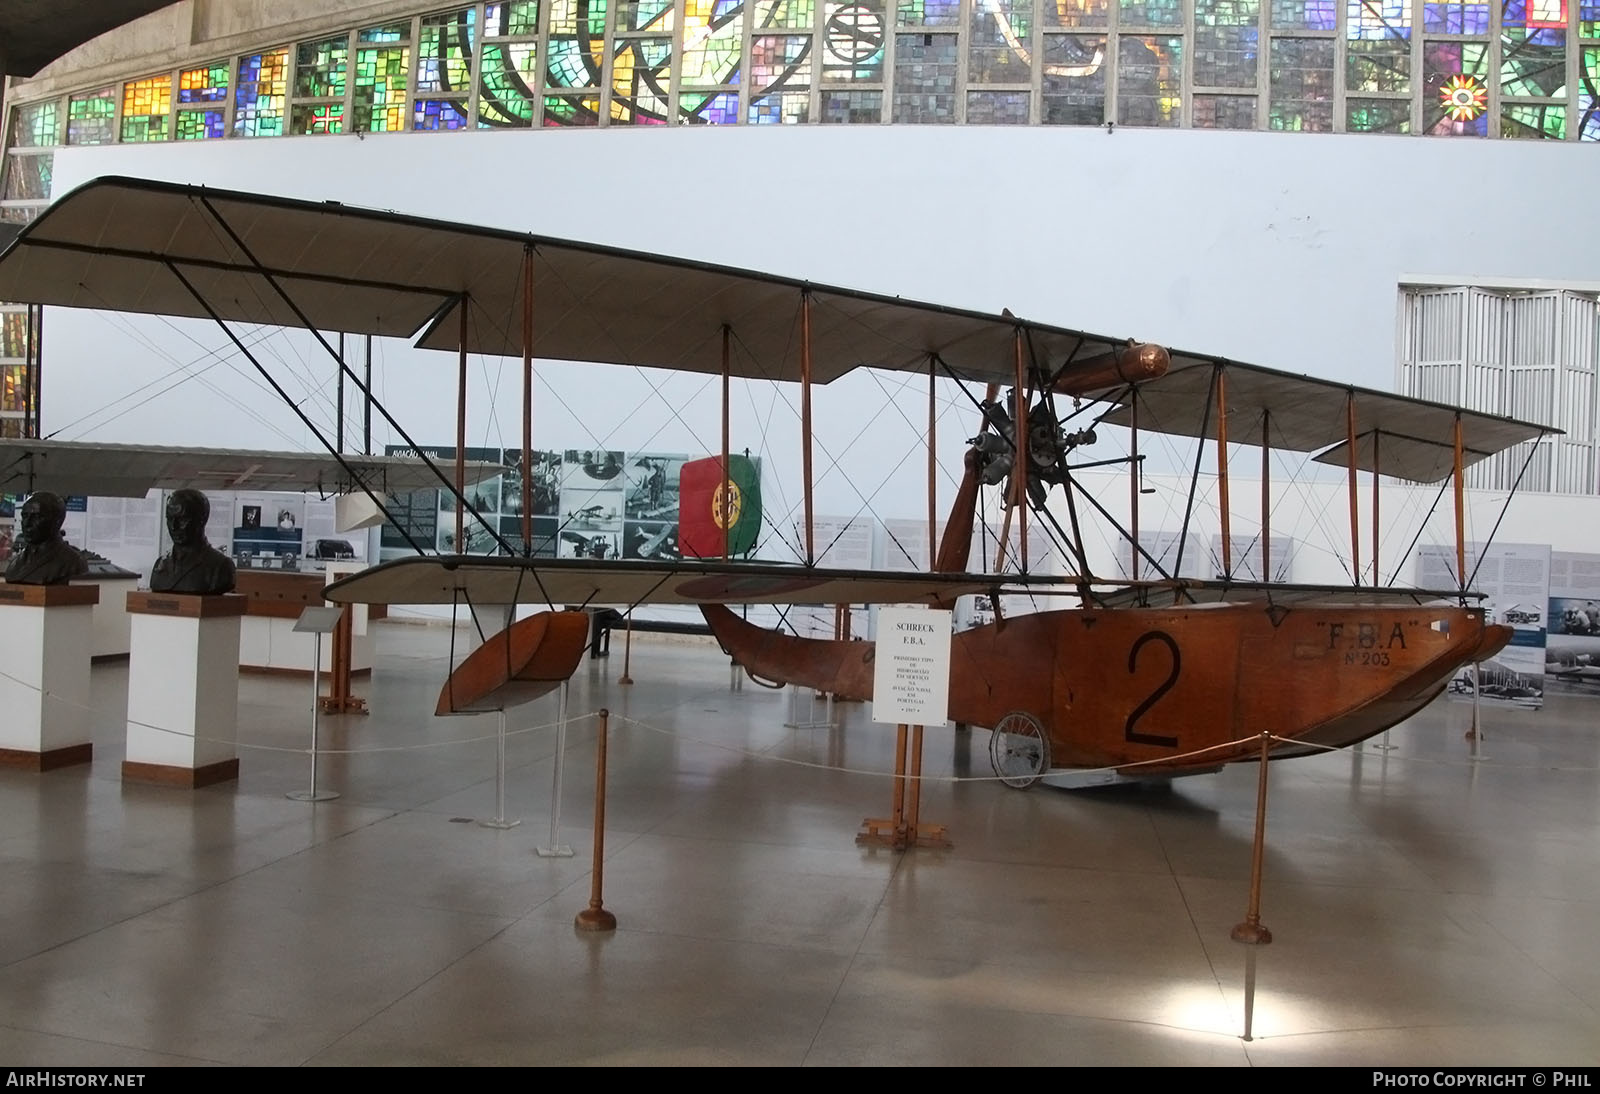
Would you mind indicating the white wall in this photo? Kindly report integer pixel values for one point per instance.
(1280, 249)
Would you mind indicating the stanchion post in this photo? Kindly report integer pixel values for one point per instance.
(595, 917)
(557, 849)
(1251, 932)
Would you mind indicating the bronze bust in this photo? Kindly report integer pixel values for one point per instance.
(43, 557)
(193, 565)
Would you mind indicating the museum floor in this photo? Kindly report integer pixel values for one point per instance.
(1426, 909)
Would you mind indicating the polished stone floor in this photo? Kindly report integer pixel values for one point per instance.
(1427, 908)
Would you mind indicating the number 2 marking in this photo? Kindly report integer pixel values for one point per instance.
(1161, 689)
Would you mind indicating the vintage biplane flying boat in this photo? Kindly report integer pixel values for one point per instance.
(1145, 675)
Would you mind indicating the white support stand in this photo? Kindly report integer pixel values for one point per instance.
(810, 721)
(508, 613)
(555, 848)
(500, 820)
(316, 622)
(46, 638)
(183, 689)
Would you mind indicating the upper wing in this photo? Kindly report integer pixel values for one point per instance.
(120, 244)
(449, 579)
(132, 471)
(1398, 436)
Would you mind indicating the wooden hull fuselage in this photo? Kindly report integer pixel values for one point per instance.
(1161, 690)
(528, 659)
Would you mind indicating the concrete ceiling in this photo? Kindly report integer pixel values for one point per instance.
(35, 32)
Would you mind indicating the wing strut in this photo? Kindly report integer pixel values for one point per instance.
(344, 369)
(292, 405)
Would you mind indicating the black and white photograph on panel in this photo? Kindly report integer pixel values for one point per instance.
(592, 469)
(545, 532)
(545, 482)
(1572, 642)
(593, 545)
(651, 539)
(653, 485)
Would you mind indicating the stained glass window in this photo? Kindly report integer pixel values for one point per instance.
(1455, 17)
(14, 334)
(997, 108)
(650, 15)
(784, 14)
(1302, 85)
(853, 42)
(1226, 42)
(585, 17)
(925, 77)
(852, 107)
(573, 62)
(572, 110)
(444, 53)
(712, 38)
(927, 13)
(514, 19)
(720, 108)
(780, 78)
(318, 118)
(1536, 120)
(1150, 13)
(1378, 19)
(206, 84)
(435, 114)
(90, 116)
(319, 68)
(641, 70)
(146, 109)
(1149, 79)
(1589, 18)
(1589, 95)
(1224, 112)
(1455, 94)
(393, 32)
(259, 100)
(1377, 115)
(38, 125)
(199, 125)
(1304, 15)
(1000, 41)
(1533, 59)
(28, 177)
(1075, 13)
(1074, 82)
(510, 74)
(380, 96)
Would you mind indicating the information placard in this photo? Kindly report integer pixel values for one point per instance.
(911, 667)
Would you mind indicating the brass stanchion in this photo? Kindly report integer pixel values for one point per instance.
(1251, 932)
(595, 917)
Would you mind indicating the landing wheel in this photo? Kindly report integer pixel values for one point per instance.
(1019, 750)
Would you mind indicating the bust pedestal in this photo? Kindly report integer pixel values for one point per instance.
(46, 637)
(183, 688)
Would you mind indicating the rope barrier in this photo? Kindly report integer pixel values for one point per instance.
(1251, 742)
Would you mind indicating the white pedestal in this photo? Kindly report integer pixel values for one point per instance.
(183, 689)
(45, 640)
(112, 631)
(269, 644)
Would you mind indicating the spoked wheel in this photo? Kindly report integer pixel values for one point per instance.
(1019, 750)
